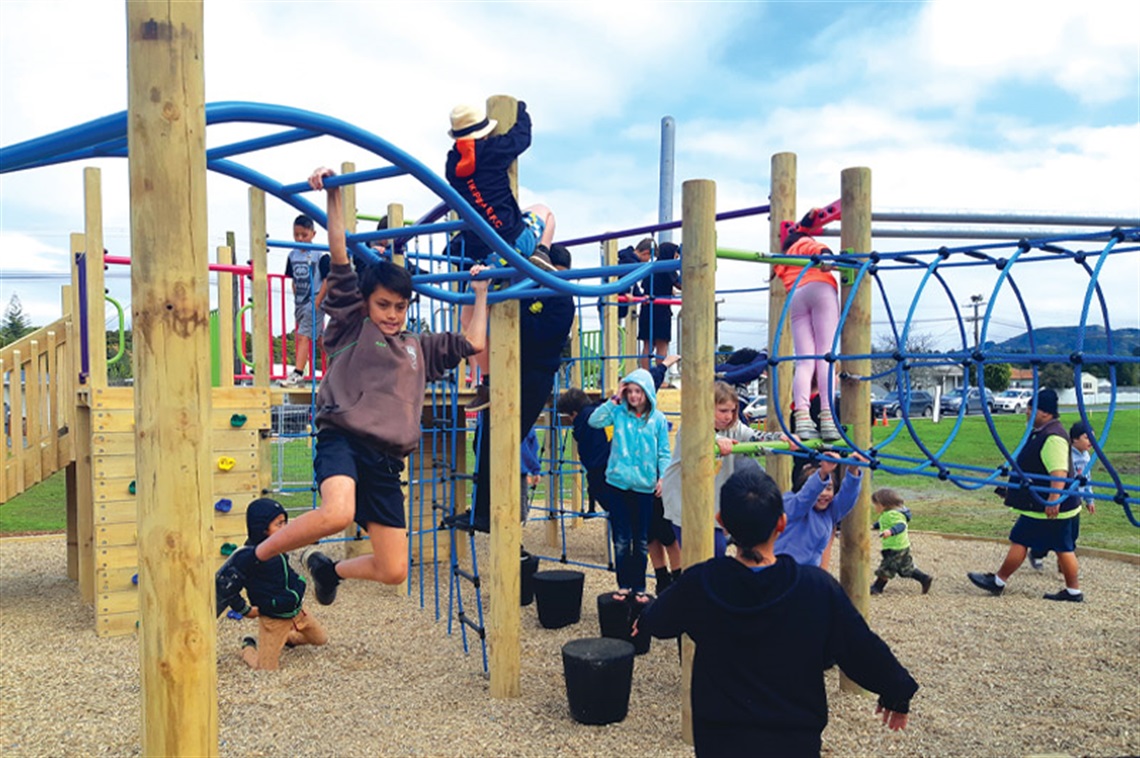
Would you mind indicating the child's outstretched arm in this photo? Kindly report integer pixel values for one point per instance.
(338, 249)
(848, 492)
(476, 331)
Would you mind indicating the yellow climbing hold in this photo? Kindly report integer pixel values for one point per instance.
(225, 463)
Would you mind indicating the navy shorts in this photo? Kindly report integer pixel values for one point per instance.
(654, 323)
(379, 499)
(1042, 535)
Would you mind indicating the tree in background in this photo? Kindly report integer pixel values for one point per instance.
(921, 374)
(1056, 376)
(16, 324)
(997, 376)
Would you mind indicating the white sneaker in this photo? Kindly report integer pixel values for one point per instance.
(294, 379)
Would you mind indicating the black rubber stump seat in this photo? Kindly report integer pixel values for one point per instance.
(599, 675)
(559, 597)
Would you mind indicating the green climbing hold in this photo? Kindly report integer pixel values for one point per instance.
(131, 488)
(238, 419)
(228, 549)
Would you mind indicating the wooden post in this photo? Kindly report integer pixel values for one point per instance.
(84, 493)
(93, 266)
(67, 407)
(698, 235)
(783, 208)
(259, 321)
(259, 288)
(166, 132)
(225, 319)
(855, 399)
(233, 303)
(505, 620)
(611, 364)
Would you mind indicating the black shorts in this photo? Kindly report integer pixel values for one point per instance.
(655, 322)
(660, 528)
(379, 499)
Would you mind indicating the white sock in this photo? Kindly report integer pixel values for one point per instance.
(1072, 591)
(999, 581)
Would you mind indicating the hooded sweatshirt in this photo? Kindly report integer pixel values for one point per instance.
(273, 586)
(763, 639)
(639, 453)
(809, 530)
(374, 386)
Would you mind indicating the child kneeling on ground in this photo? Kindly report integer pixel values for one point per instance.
(763, 626)
(275, 593)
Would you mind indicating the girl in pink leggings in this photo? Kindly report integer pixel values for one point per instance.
(815, 316)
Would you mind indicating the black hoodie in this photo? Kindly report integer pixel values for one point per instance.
(272, 585)
(763, 639)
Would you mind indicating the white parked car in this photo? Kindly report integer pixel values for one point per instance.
(1013, 401)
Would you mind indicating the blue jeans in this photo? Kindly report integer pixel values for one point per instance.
(629, 520)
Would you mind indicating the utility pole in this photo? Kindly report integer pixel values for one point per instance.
(976, 302)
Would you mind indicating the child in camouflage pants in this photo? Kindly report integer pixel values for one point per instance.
(892, 527)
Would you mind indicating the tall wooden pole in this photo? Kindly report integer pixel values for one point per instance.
(782, 208)
(166, 132)
(505, 618)
(698, 270)
(855, 234)
(613, 365)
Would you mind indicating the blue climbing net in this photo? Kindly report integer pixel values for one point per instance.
(932, 267)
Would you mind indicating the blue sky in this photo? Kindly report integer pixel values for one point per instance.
(963, 106)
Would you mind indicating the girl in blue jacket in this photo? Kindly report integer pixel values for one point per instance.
(638, 457)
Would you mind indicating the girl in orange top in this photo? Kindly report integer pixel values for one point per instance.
(815, 316)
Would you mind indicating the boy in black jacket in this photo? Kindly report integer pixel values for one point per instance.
(765, 629)
(275, 592)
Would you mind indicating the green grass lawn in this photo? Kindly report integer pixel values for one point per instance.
(939, 506)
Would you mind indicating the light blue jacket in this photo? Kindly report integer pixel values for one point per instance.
(808, 530)
(639, 454)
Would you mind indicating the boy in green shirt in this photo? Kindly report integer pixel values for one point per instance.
(892, 528)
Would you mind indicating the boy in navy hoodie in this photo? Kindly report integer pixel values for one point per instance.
(765, 628)
(275, 593)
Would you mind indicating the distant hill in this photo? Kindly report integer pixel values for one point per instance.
(1063, 339)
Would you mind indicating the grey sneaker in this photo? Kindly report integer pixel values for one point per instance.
(1035, 561)
(541, 258)
(827, 429)
(295, 379)
(987, 582)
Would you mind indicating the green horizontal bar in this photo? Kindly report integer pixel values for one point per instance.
(378, 219)
(754, 257)
(759, 448)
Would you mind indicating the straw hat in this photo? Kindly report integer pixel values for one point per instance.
(470, 122)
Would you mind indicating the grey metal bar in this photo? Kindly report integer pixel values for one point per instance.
(665, 190)
(959, 233)
(970, 217)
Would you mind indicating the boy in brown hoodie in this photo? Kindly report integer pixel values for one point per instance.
(369, 408)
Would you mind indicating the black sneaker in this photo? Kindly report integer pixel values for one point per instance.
(987, 582)
(926, 581)
(230, 577)
(248, 642)
(481, 400)
(877, 589)
(325, 580)
(464, 522)
(1065, 596)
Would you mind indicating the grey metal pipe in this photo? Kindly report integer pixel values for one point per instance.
(665, 191)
